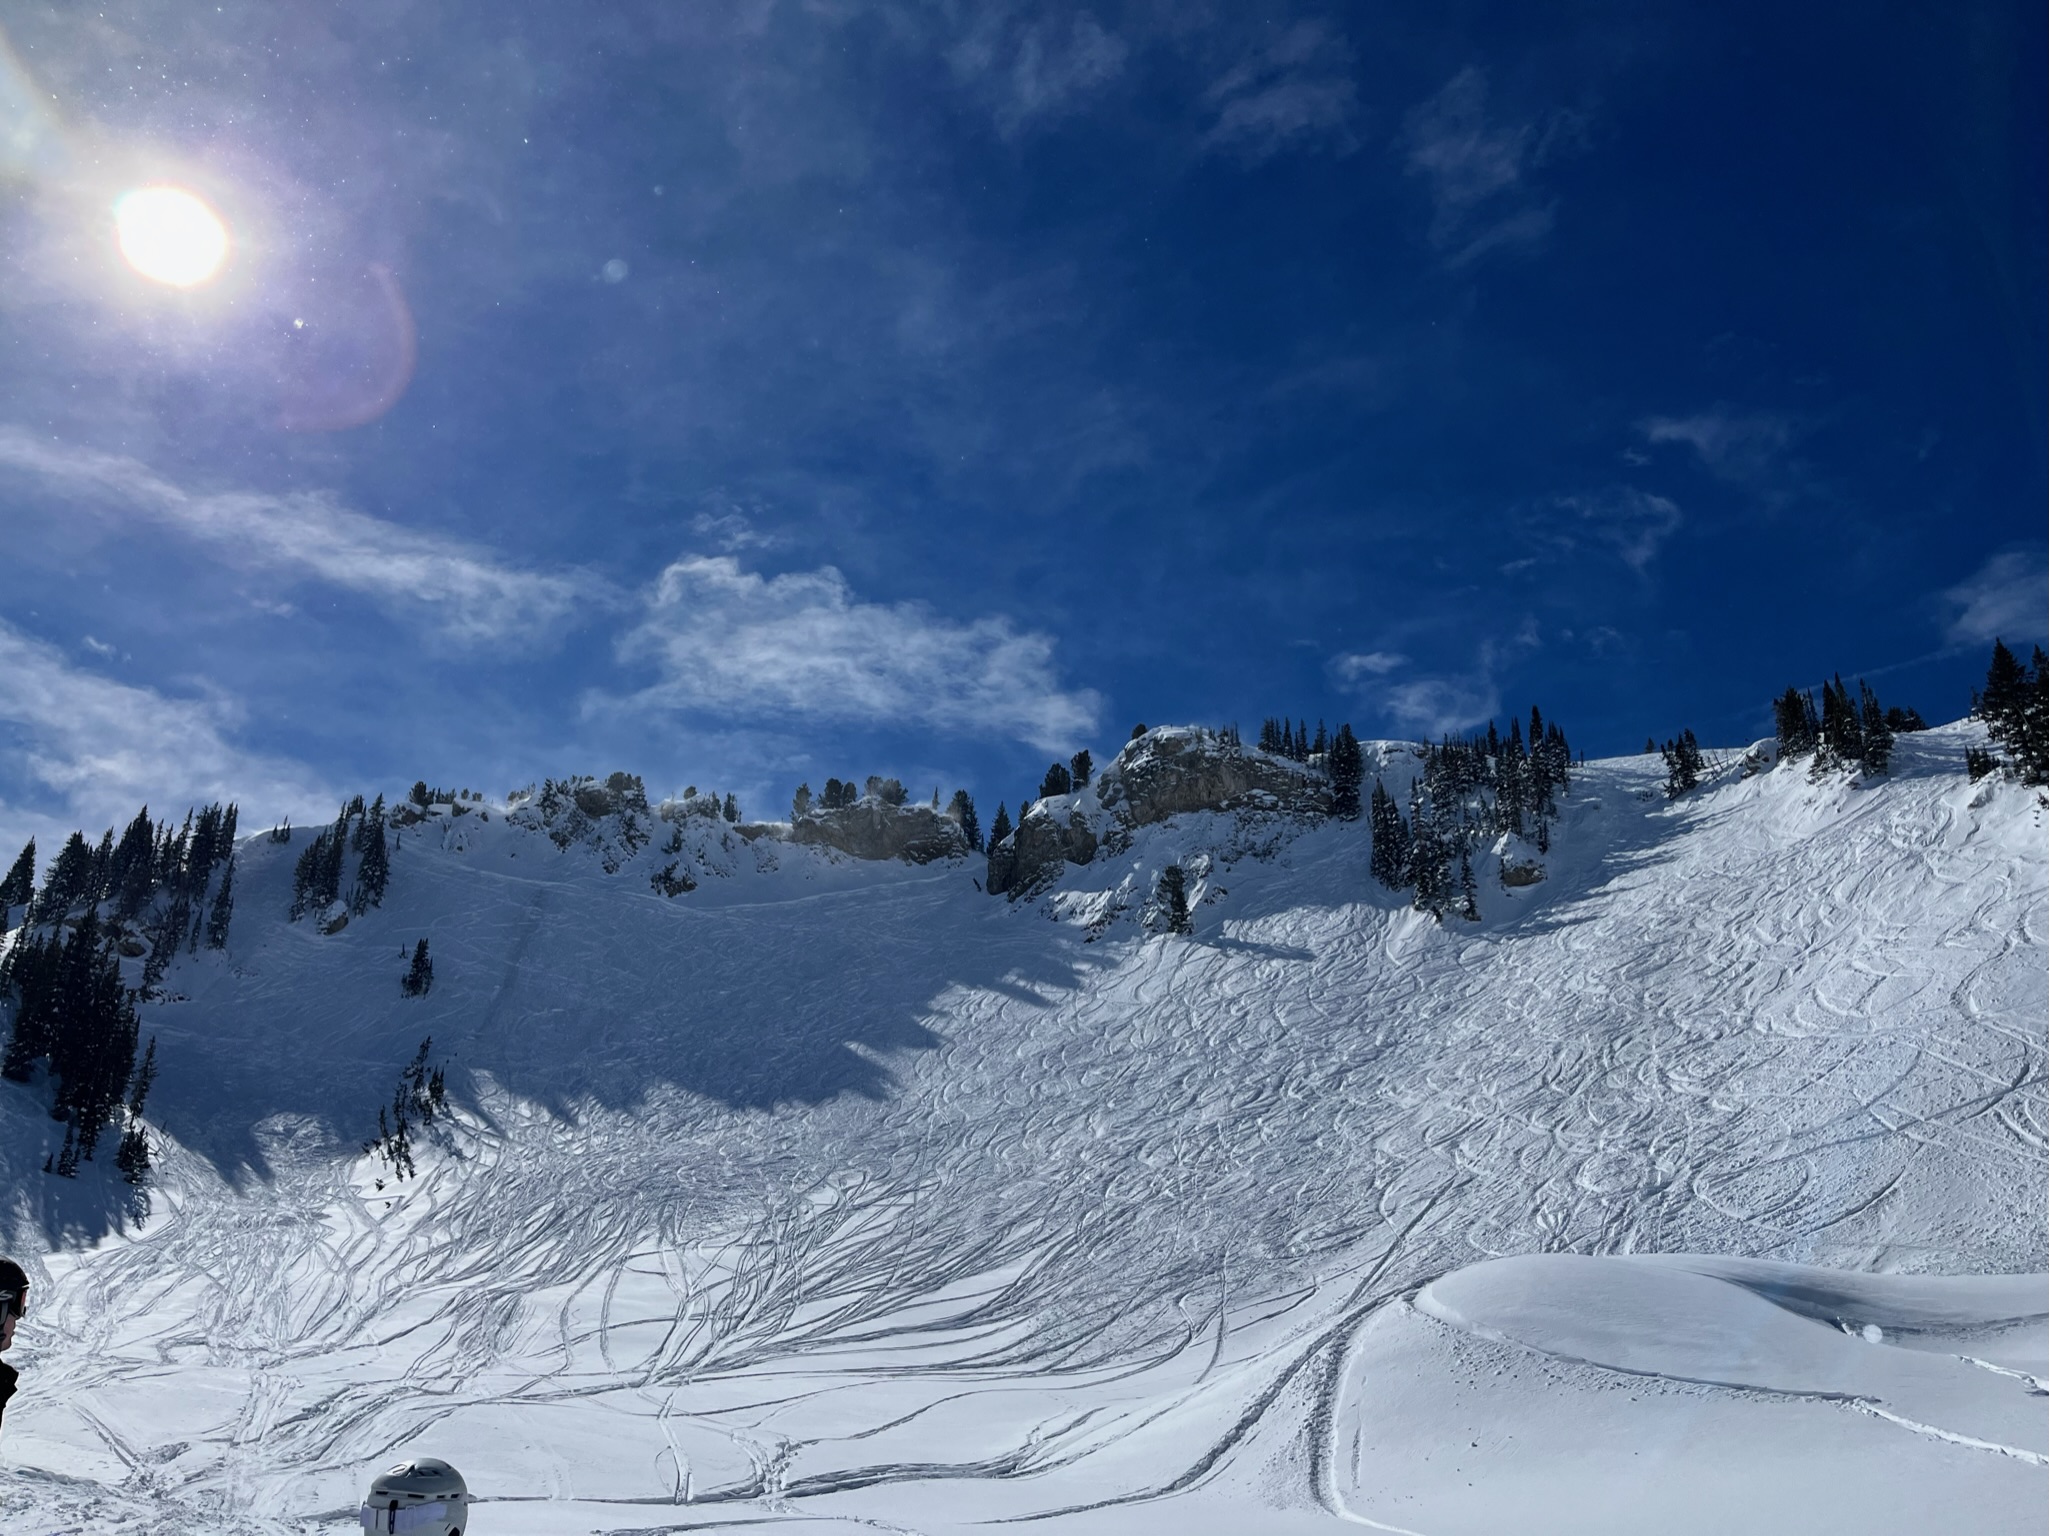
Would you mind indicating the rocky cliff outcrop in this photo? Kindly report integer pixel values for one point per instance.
(1163, 773)
(871, 828)
(1170, 772)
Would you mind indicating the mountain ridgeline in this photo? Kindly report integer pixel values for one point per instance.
(80, 951)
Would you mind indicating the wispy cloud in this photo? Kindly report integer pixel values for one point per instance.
(1633, 524)
(1424, 705)
(101, 748)
(1429, 703)
(2006, 597)
(803, 644)
(1747, 447)
(1477, 168)
(1035, 72)
(1298, 91)
(471, 595)
(1352, 667)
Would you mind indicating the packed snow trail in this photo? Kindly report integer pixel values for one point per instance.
(840, 1191)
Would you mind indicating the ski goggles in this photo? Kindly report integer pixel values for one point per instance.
(14, 1303)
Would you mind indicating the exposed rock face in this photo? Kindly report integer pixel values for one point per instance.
(1513, 874)
(1163, 773)
(1056, 833)
(871, 828)
(1169, 772)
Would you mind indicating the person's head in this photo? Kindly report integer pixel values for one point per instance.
(13, 1299)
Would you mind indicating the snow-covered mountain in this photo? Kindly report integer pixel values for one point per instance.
(777, 1185)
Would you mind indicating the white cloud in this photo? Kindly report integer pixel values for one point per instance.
(472, 596)
(1039, 72)
(2006, 597)
(1631, 522)
(1298, 90)
(98, 749)
(1477, 170)
(803, 644)
(1431, 706)
(1742, 446)
(1425, 706)
(1352, 667)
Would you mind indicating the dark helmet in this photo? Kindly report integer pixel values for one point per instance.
(13, 1288)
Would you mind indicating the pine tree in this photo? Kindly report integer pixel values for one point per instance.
(1321, 745)
(1683, 762)
(732, 810)
(1390, 857)
(1079, 767)
(373, 870)
(1347, 767)
(20, 882)
(1876, 758)
(2004, 700)
(1799, 730)
(1429, 857)
(1056, 782)
(133, 874)
(1172, 896)
(962, 809)
(419, 976)
(67, 881)
(1469, 897)
(800, 803)
(223, 911)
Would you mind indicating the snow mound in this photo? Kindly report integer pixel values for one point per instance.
(1565, 1392)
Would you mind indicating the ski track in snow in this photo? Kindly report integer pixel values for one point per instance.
(845, 1195)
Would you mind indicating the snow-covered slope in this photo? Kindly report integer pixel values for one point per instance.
(842, 1193)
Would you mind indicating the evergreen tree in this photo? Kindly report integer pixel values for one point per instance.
(67, 881)
(2004, 700)
(1056, 782)
(419, 976)
(1347, 767)
(1683, 762)
(145, 1079)
(133, 872)
(1799, 729)
(1390, 858)
(1650, 745)
(373, 870)
(1172, 896)
(962, 810)
(1079, 767)
(800, 803)
(732, 810)
(223, 911)
(1429, 857)
(20, 882)
(1875, 734)
(1901, 721)
(1469, 896)
(1002, 859)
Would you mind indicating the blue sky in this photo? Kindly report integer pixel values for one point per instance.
(746, 393)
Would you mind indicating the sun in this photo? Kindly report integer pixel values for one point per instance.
(170, 236)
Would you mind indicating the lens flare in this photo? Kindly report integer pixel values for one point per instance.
(170, 236)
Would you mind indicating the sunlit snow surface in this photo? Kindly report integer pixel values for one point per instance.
(842, 1194)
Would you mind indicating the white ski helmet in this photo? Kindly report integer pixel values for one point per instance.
(421, 1497)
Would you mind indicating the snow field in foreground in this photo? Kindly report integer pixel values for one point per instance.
(841, 1192)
